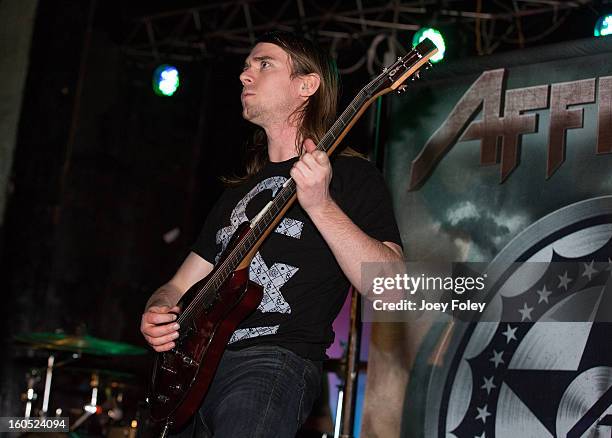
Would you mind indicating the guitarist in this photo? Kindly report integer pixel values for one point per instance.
(270, 373)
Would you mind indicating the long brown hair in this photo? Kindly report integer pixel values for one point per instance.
(315, 116)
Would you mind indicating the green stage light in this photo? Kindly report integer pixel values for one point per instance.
(435, 36)
(603, 26)
(165, 80)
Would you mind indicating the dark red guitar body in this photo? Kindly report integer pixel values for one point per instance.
(181, 376)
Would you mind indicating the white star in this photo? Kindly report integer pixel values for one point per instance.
(544, 294)
(510, 333)
(563, 280)
(483, 413)
(497, 358)
(525, 312)
(480, 436)
(589, 270)
(488, 384)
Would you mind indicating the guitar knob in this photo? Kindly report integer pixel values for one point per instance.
(175, 388)
(162, 398)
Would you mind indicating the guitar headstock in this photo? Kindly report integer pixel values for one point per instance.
(408, 66)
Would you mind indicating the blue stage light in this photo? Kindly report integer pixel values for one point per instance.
(165, 80)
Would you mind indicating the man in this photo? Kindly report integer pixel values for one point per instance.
(270, 373)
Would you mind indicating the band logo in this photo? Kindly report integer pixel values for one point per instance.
(500, 133)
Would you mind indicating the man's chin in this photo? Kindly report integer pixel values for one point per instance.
(249, 116)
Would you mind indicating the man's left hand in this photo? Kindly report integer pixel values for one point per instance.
(312, 174)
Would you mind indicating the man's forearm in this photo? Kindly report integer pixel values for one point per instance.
(349, 244)
(167, 295)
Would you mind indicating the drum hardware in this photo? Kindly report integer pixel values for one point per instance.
(33, 377)
(56, 343)
(92, 407)
(51, 365)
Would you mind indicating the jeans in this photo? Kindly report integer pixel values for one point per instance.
(258, 392)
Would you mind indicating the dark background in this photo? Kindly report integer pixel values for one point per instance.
(103, 168)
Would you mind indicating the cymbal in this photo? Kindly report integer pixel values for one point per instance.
(79, 344)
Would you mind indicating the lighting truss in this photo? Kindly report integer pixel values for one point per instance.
(225, 27)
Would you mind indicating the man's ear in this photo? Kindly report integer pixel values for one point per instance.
(309, 84)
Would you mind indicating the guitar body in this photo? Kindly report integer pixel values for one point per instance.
(181, 376)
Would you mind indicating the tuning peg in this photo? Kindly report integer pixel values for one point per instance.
(401, 89)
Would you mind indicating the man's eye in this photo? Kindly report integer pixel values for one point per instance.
(265, 64)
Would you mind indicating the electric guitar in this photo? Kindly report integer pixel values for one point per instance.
(214, 306)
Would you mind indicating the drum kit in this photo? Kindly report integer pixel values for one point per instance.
(83, 378)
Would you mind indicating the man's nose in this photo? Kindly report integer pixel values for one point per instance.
(246, 77)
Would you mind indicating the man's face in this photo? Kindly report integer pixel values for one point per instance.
(269, 93)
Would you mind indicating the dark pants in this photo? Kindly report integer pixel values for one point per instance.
(258, 392)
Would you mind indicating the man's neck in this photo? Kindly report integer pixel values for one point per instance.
(281, 142)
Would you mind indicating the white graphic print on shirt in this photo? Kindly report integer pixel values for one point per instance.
(271, 279)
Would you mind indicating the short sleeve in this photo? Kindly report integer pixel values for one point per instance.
(206, 244)
(360, 190)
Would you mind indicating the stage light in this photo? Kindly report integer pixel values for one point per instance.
(435, 36)
(165, 80)
(603, 26)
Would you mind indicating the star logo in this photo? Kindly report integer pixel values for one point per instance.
(535, 376)
(543, 294)
(564, 281)
(525, 312)
(483, 413)
(510, 334)
(589, 271)
(488, 384)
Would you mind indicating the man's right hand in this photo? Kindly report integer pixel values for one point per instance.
(158, 327)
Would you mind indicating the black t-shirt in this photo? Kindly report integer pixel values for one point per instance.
(304, 287)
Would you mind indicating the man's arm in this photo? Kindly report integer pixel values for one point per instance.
(161, 308)
(350, 245)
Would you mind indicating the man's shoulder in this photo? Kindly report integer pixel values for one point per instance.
(356, 168)
(354, 163)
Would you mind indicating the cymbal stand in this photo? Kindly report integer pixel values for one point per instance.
(91, 408)
(49, 377)
(47, 392)
(30, 395)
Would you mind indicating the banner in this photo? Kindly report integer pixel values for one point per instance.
(505, 161)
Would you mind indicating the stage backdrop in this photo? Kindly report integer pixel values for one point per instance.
(500, 160)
